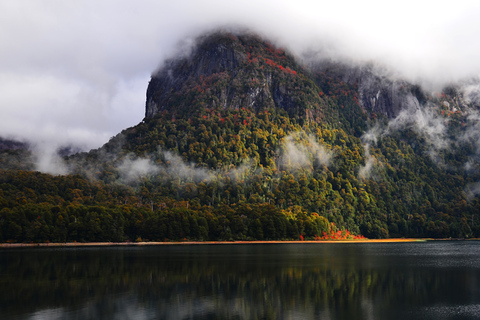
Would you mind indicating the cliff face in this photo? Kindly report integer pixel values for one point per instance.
(244, 71)
(376, 91)
(214, 56)
(228, 71)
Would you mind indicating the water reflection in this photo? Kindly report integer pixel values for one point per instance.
(277, 281)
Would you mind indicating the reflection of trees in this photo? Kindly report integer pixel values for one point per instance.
(172, 284)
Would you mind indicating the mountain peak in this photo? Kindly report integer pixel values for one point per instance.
(227, 70)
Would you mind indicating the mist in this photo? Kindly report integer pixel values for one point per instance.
(431, 126)
(366, 171)
(428, 124)
(299, 151)
(76, 73)
(303, 151)
(47, 160)
(132, 169)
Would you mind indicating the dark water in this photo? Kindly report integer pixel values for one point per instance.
(433, 280)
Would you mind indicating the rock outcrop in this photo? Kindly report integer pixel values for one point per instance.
(244, 71)
(231, 71)
(377, 91)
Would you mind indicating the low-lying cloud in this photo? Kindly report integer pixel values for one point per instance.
(472, 190)
(366, 171)
(47, 160)
(134, 169)
(303, 151)
(171, 166)
(425, 121)
(299, 151)
(428, 124)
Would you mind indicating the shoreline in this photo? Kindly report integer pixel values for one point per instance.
(157, 243)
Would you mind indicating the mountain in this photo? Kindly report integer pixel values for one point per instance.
(8, 144)
(240, 140)
(232, 72)
(384, 93)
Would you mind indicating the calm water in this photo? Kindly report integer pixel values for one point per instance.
(433, 280)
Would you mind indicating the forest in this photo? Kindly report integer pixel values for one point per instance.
(304, 160)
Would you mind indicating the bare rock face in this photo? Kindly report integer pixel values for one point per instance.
(244, 71)
(378, 91)
(229, 71)
(214, 55)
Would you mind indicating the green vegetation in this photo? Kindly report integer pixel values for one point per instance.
(40, 208)
(289, 164)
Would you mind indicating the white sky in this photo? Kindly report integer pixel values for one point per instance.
(77, 71)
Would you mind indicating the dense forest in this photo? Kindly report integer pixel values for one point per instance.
(245, 143)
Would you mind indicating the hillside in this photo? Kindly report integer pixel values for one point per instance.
(241, 141)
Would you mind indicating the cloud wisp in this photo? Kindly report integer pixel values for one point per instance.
(299, 151)
(47, 160)
(302, 151)
(423, 120)
(366, 171)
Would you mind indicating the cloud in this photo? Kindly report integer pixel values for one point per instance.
(240, 173)
(134, 169)
(424, 121)
(176, 167)
(303, 151)
(471, 91)
(472, 190)
(370, 138)
(470, 136)
(172, 167)
(366, 171)
(472, 130)
(76, 72)
(300, 151)
(427, 123)
(47, 160)
(373, 134)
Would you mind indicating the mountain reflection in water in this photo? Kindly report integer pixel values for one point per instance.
(273, 281)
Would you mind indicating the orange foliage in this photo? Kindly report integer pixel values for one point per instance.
(338, 235)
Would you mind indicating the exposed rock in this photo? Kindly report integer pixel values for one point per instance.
(228, 71)
(214, 55)
(377, 91)
(243, 70)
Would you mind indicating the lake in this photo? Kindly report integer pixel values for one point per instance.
(418, 280)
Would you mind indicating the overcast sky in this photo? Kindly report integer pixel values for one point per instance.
(77, 71)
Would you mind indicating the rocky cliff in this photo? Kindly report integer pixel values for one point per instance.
(377, 91)
(232, 71)
(235, 71)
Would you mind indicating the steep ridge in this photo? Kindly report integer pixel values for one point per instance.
(229, 71)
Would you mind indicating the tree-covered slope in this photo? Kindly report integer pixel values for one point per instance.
(240, 141)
